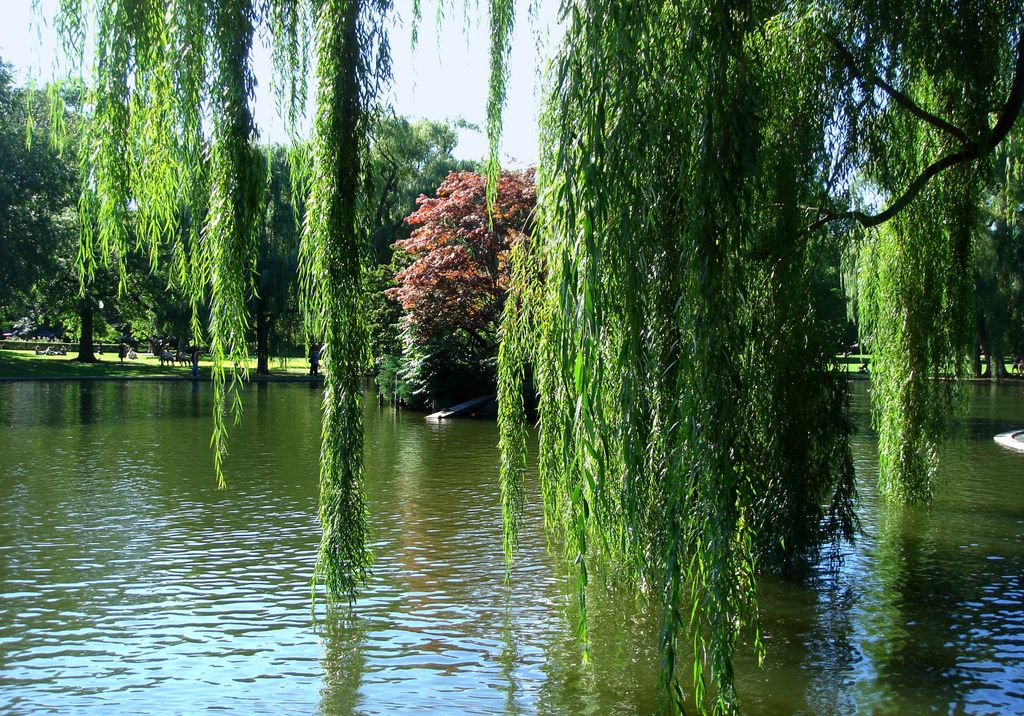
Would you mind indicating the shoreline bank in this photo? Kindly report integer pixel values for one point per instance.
(160, 378)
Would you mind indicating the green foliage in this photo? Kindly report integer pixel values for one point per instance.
(152, 175)
(37, 195)
(502, 19)
(907, 293)
(39, 227)
(392, 387)
(236, 203)
(275, 303)
(915, 273)
(521, 319)
(406, 160)
(999, 261)
(383, 313)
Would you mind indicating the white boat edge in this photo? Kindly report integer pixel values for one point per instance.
(1010, 440)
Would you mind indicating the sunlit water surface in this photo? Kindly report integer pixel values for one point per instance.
(129, 583)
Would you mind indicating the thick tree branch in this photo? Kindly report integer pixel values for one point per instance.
(899, 97)
(1011, 109)
(970, 151)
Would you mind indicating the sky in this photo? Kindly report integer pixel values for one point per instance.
(444, 78)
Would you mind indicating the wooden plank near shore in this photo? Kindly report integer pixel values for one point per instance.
(461, 408)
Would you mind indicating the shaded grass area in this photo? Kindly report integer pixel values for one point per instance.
(26, 364)
(853, 363)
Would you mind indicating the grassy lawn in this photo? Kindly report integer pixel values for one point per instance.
(26, 364)
(854, 362)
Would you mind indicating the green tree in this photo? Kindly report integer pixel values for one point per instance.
(38, 192)
(453, 291)
(408, 159)
(999, 267)
(39, 221)
(275, 305)
(691, 432)
(107, 305)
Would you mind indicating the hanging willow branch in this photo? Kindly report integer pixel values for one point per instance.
(332, 281)
(236, 196)
(156, 172)
(502, 17)
(899, 97)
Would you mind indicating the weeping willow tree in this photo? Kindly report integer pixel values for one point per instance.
(699, 160)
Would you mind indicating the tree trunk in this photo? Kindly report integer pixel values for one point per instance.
(979, 335)
(85, 343)
(262, 340)
(997, 368)
(986, 350)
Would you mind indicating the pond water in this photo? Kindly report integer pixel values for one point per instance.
(129, 583)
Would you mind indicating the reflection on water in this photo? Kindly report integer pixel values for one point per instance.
(129, 583)
(926, 611)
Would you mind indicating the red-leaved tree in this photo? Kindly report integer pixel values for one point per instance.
(456, 284)
(453, 292)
